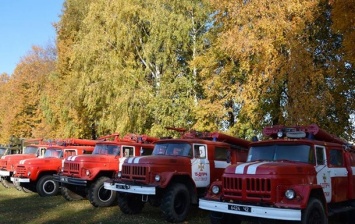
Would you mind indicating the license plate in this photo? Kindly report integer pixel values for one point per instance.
(239, 208)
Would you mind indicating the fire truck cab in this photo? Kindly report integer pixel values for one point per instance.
(36, 174)
(301, 174)
(8, 163)
(176, 174)
(83, 176)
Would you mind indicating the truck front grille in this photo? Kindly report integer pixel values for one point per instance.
(20, 170)
(247, 188)
(134, 173)
(71, 168)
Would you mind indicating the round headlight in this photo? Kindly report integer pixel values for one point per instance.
(29, 173)
(280, 134)
(87, 172)
(215, 189)
(290, 194)
(14, 172)
(119, 174)
(157, 178)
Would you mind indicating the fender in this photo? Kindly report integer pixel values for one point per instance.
(106, 165)
(303, 193)
(167, 177)
(34, 173)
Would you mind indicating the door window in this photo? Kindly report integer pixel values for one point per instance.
(200, 151)
(320, 156)
(336, 157)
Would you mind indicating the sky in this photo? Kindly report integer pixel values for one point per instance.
(23, 24)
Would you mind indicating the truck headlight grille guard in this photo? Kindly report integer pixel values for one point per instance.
(134, 173)
(21, 170)
(239, 188)
(71, 168)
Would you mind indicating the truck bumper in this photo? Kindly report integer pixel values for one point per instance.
(20, 180)
(70, 180)
(4, 173)
(133, 189)
(250, 210)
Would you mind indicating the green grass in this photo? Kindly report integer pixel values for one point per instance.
(30, 208)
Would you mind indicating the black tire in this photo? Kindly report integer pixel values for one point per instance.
(314, 213)
(176, 203)
(99, 196)
(223, 218)
(130, 203)
(47, 186)
(350, 217)
(70, 195)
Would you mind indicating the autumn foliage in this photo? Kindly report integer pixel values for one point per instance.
(140, 66)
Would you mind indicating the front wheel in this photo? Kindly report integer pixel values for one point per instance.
(314, 213)
(99, 196)
(176, 203)
(46, 186)
(130, 203)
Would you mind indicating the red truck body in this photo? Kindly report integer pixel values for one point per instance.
(302, 174)
(8, 163)
(36, 174)
(83, 176)
(178, 172)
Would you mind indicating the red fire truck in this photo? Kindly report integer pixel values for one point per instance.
(34, 148)
(83, 176)
(177, 174)
(301, 174)
(36, 174)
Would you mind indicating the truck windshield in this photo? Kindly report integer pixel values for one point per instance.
(297, 153)
(30, 150)
(2, 151)
(176, 149)
(103, 149)
(56, 153)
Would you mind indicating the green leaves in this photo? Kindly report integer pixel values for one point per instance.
(139, 66)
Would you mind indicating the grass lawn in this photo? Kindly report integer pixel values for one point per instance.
(17, 207)
(30, 208)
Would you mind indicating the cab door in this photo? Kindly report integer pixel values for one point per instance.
(200, 166)
(127, 151)
(338, 174)
(323, 172)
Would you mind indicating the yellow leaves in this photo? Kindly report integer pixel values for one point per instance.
(343, 17)
(143, 65)
(23, 93)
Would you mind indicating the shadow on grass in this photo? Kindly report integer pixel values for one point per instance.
(30, 208)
